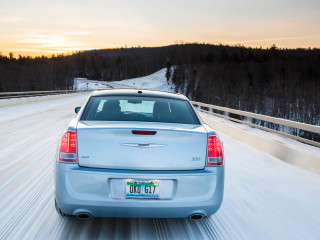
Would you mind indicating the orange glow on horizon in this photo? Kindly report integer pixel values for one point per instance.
(66, 50)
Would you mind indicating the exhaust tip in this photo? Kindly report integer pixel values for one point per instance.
(83, 216)
(196, 216)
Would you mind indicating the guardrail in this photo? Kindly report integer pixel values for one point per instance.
(289, 123)
(6, 95)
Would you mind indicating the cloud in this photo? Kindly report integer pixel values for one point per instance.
(51, 43)
(11, 19)
(77, 33)
(48, 40)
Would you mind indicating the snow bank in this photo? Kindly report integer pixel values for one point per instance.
(23, 100)
(283, 148)
(155, 81)
(85, 84)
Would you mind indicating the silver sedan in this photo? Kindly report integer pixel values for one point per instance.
(138, 153)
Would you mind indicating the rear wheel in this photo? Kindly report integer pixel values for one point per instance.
(59, 211)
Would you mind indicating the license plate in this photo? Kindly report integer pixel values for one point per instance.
(142, 189)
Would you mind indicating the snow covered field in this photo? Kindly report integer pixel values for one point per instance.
(265, 198)
(155, 81)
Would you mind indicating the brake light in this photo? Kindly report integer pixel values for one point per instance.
(215, 151)
(68, 147)
(138, 132)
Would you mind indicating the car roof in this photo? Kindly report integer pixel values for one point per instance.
(138, 93)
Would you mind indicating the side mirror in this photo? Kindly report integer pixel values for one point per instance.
(77, 109)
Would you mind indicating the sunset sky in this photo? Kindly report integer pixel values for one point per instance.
(36, 27)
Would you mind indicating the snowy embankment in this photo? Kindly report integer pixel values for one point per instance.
(265, 198)
(23, 100)
(155, 81)
(281, 147)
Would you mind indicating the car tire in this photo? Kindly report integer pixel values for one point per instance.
(59, 211)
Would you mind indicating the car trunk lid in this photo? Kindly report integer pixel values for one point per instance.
(141, 145)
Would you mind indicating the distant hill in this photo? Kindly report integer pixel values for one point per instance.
(278, 82)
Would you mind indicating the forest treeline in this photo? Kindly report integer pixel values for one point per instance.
(276, 82)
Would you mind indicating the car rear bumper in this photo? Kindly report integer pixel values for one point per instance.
(101, 192)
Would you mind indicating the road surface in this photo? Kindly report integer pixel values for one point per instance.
(265, 198)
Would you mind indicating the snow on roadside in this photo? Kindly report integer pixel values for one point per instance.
(85, 84)
(275, 137)
(23, 110)
(155, 81)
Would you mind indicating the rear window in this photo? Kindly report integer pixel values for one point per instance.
(140, 109)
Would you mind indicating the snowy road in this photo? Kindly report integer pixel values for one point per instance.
(265, 198)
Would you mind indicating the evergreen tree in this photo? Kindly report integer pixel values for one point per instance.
(168, 72)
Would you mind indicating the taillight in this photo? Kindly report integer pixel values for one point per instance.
(215, 151)
(68, 147)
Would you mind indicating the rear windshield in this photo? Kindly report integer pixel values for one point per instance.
(142, 109)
